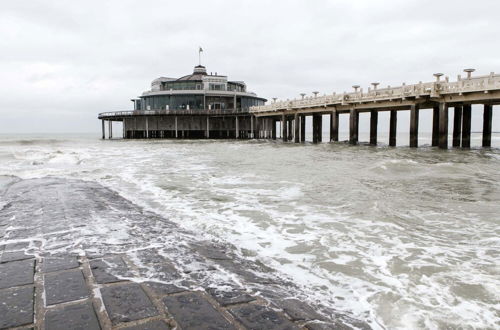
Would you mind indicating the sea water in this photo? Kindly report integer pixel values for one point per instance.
(398, 237)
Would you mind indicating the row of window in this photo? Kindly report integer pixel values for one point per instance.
(196, 85)
(163, 102)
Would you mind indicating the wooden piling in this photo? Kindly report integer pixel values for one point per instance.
(443, 125)
(393, 126)
(373, 127)
(414, 112)
(487, 124)
(466, 125)
(457, 126)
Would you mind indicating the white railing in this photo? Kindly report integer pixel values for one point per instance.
(191, 112)
(432, 89)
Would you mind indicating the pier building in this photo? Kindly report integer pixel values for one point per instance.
(198, 105)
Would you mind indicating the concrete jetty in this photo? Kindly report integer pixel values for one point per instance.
(439, 96)
(76, 255)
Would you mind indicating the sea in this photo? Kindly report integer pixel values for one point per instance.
(402, 238)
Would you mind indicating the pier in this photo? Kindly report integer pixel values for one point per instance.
(286, 120)
(439, 95)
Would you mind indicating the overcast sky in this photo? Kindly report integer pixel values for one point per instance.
(63, 62)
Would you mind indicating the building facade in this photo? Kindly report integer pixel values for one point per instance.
(199, 105)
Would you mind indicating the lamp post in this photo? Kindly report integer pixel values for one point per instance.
(303, 95)
(438, 76)
(355, 88)
(315, 94)
(469, 72)
(375, 84)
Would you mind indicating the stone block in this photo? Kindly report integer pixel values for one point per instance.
(261, 317)
(127, 302)
(16, 273)
(152, 325)
(65, 286)
(72, 317)
(192, 311)
(14, 256)
(16, 307)
(231, 297)
(52, 264)
(107, 269)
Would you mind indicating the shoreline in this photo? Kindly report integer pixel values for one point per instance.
(104, 240)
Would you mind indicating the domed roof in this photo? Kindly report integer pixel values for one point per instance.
(198, 73)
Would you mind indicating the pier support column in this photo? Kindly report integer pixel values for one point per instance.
(124, 132)
(457, 126)
(290, 129)
(284, 132)
(466, 125)
(103, 130)
(353, 126)
(487, 123)
(273, 129)
(208, 127)
(252, 118)
(302, 128)
(334, 126)
(297, 128)
(414, 112)
(176, 131)
(373, 127)
(257, 127)
(110, 129)
(147, 128)
(393, 127)
(435, 126)
(443, 125)
(237, 126)
(317, 128)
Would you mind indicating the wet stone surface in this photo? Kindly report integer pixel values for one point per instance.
(127, 302)
(64, 287)
(75, 255)
(80, 316)
(193, 311)
(16, 307)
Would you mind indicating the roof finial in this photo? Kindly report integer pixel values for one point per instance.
(200, 50)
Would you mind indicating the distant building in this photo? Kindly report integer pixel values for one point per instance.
(199, 105)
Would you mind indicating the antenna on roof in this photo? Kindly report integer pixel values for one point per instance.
(199, 55)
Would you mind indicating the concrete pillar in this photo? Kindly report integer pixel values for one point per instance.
(373, 127)
(302, 128)
(487, 123)
(110, 129)
(124, 132)
(147, 128)
(334, 126)
(353, 126)
(393, 127)
(251, 127)
(237, 125)
(414, 112)
(317, 128)
(290, 129)
(273, 129)
(435, 126)
(443, 125)
(284, 132)
(257, 127)
(466, 125)
(103, 130)
(297, 128)
(457, 126)
(176, 131)
(208, 127)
